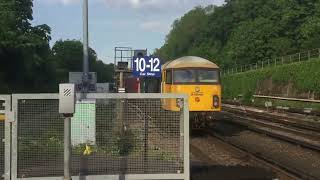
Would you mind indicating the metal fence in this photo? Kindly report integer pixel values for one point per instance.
(298, 57)
(114, 136)
(5, 104)
(2, 108)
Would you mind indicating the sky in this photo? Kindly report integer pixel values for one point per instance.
(140, 24)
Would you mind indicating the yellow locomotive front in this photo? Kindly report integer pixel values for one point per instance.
(200, 79)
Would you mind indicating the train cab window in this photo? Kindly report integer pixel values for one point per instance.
(184, 76)
(193, 76)
(208, 76)
(168, 77)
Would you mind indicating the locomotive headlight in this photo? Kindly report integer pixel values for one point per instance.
(216, 102)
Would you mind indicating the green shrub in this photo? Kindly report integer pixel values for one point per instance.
(304, 75)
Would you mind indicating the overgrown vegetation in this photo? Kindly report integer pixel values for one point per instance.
(304, 76)
(245, 31)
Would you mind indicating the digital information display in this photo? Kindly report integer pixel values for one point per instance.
(147, 66)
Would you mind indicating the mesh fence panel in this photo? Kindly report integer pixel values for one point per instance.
(1, 142)
(117, 136)
(133, 136)
(40, 139)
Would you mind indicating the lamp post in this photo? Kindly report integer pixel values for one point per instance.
(85, 77)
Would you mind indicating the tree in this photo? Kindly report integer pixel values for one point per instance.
(245, 31)
(104, 71)
(23, 48)
(27, 62)
(184, 34)
(68, 57)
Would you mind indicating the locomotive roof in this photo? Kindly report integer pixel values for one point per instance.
(189, 61)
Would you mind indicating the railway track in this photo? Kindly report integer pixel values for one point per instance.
(280, 169)
(211, 158)
(294, 145)
(284, 170)
(289, 120)
(278, 128)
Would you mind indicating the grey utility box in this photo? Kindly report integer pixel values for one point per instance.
(67, 98)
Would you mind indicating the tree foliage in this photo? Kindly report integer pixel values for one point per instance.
(68, 57)
(27, 63)
(244, 31)
(23, 48)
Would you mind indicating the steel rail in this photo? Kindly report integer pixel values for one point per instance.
(291, 121)
(283, 169)
(269, 129)
(279, 126)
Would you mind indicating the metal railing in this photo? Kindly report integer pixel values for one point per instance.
(287, 98)
(293, 58)
(140, 140)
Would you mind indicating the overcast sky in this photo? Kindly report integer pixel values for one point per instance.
(135, 23)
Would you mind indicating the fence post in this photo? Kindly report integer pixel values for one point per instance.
(67, 148)
(262, 64)
(275, 62)
(256, 65)
(268, 62)
(309, 55)
(299, 57)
